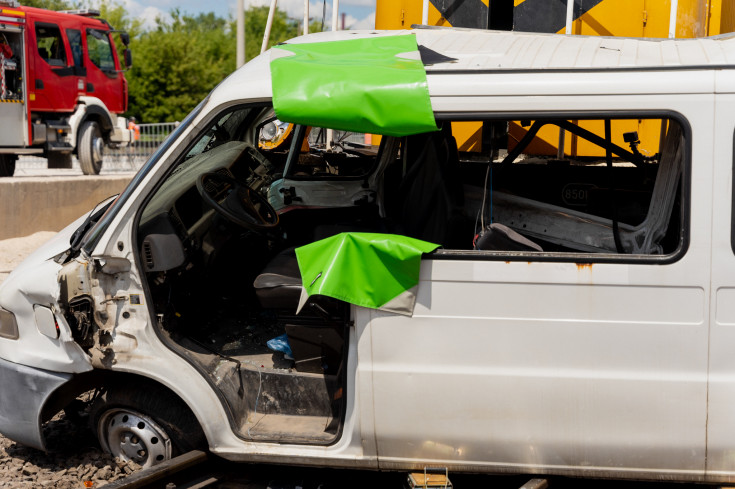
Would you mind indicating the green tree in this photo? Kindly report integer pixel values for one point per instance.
(177, 64)
(282, 29)
(117, 15)
(180, 61)
(50, 4)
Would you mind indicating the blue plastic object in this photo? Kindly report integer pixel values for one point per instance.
(280, 343)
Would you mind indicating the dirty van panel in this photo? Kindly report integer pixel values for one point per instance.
(251, 189)
(572, 329)
(227, 302)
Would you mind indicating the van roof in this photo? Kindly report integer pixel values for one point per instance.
(448, 50)
(457, 49)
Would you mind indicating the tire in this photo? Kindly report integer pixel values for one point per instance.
(145, 424)
(91, 148)
(59, 160)
(7, 165)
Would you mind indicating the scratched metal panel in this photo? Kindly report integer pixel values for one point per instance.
(12, 116)
(486, 50)
(543, 365)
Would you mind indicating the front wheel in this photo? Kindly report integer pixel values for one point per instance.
(7, 165)
(91, 148)
(144, 425)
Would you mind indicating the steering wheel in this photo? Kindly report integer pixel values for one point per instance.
(237, 202)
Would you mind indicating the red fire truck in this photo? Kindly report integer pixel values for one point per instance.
(61, 87)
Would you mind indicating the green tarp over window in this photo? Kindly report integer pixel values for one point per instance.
(366, 269)
(359, 85)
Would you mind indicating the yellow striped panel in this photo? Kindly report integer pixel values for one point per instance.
(12, 12)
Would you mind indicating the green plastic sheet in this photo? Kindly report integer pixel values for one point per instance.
(358, 85)
(366, 269)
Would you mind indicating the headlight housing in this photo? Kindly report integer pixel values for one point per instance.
(8, 325)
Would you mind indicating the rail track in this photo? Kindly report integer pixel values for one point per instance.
(199, 470)
(195, 469)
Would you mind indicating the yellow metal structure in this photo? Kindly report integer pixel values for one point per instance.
(625, 18)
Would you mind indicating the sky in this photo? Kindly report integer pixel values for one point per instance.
(360, 14)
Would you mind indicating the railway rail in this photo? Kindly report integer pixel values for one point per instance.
(200, 470)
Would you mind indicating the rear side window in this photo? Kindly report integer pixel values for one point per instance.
(50, 44)
(616, 190)
(100, 50)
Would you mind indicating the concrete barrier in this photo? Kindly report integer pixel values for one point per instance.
(32, 204)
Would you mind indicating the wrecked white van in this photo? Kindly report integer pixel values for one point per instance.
(533, 271)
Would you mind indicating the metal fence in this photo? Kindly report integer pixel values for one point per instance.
(124, 159)
(131, 157)
(151, 136)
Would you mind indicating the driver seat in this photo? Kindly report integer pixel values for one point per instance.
(279, 284)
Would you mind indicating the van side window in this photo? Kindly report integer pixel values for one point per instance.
(345, 156)
(490, 187)
(100, 50)
(50, 44)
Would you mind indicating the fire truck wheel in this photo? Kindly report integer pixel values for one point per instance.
(59, 160)
(91, 148)
(7, 165)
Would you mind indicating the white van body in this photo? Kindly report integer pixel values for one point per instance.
(527, 362)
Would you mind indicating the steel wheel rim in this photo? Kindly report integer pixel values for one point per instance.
(98, 148)
(131, 436)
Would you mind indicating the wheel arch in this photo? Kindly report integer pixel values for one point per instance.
(90, 109)
(103, 379)
(100, 116)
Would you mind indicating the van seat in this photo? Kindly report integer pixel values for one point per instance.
(499, 237)
(279, 284)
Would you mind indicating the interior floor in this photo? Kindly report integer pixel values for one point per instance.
(271, 395)
(285, 427)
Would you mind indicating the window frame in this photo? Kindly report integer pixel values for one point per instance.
(77, 62)
(582, 257)
(298, 137)
(106, 36)
(732, 206)
(62, 40)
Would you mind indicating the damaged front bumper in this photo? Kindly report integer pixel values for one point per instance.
(25, 392)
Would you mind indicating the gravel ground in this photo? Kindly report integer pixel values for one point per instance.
(73, 455)
(14, 250)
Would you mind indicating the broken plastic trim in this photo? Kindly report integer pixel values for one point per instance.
(372, 85)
